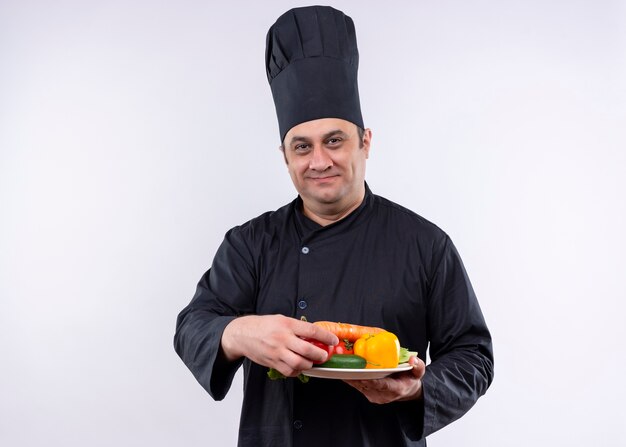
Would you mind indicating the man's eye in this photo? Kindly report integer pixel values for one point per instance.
(333, 141)
(301, 147)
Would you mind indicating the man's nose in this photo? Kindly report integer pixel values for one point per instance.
(320, 161)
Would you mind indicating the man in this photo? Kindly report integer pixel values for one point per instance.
(337, 252)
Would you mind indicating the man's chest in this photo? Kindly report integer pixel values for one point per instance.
(359, 278)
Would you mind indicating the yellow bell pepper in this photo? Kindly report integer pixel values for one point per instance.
(380, 350)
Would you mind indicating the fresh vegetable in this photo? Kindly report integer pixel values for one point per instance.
(329, 349)
(275, 374)
(345, 361)
(381, 350)
(405, 355)
(347, 331)
(344, 347)
(359, 347)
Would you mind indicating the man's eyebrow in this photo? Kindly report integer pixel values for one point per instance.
(327, 135)
(298, 138)
(336, 132)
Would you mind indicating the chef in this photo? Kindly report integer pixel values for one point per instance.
(337, 252)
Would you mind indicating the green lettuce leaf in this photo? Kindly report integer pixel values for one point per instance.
(405, 354)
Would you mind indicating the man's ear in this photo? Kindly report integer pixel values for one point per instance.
(367, 141)
(282, 149)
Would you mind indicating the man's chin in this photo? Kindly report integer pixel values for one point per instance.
(326, 200)
(322, 198)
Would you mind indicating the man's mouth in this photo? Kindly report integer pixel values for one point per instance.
(322, 177)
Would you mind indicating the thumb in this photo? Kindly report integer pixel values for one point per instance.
(419, 367)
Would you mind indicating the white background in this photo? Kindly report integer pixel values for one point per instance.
(134, 134)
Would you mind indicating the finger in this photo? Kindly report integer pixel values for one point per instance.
(419, 367)
(286, 370)
(308, 350)
(366, 387)
(309, 330)
(294, 362)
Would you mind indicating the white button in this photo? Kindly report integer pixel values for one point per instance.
(305, 250)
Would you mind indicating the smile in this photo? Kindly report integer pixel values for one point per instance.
(328, 177)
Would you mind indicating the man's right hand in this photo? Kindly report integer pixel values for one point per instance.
(276, 341)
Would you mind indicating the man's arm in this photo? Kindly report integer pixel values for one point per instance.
(225, 292)
(218, 328)
(460, 347)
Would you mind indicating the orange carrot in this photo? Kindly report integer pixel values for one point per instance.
(347, 331)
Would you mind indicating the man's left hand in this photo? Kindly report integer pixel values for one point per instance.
(397, 387)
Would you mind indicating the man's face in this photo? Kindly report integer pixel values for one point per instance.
(326, 161)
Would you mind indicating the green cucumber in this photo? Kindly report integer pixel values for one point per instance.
(348, 361)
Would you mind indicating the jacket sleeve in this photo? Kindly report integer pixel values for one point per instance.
(225, 291)
(461, 367)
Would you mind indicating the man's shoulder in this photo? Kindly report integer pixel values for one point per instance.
(266, 222)
(406, 219)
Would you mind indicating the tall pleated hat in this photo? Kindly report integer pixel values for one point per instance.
(312, 61)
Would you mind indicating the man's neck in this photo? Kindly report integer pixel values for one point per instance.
(328, 215)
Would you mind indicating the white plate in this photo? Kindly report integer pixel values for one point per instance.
(355, 374)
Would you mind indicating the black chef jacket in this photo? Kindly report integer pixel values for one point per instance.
(382, 265)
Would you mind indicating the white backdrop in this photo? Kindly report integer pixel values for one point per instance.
(134, 134)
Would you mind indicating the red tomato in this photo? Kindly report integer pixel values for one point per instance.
(344, 347)
(329, 349)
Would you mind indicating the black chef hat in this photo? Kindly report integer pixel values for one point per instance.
(312, 61)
